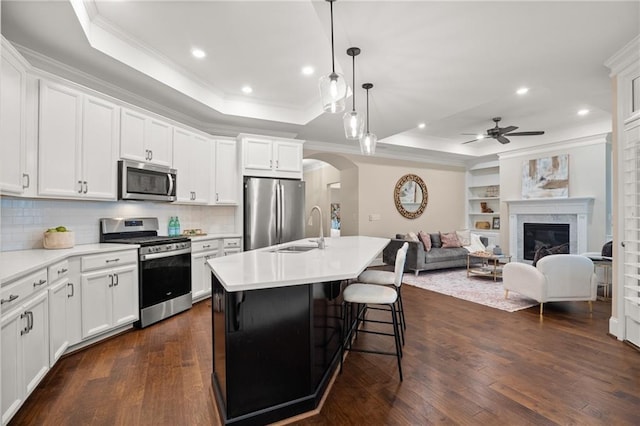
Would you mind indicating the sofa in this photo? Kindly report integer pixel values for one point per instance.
(437, 257)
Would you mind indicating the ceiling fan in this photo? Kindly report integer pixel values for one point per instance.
(499, 133)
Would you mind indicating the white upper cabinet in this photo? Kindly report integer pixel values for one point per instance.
(191, 159)
(226, 180)
(145, 139)
(77, 144)
(14, 178)
(269, 157)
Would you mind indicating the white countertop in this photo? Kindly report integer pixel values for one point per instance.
(212, 236)
(14, 264)
(343, 258)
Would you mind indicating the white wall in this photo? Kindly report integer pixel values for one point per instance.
(588, 170)
(367, 187)
(24, 220)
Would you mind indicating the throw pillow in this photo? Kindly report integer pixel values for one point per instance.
(411, 236)
(464, 237)
(449, 240)
(426, 240)
(435, 240)
(476, 244)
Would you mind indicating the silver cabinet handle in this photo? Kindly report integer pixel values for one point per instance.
(62, 271)
(217, 197)
(115, 284)
(111, 280)
(39, 283)
(86, 187)
(79, 187)
(11, 298)
(25, 330)
(277, 164)
(30, 320)
(150, 154)
(271, 164)
(73, 290)
(206, 246)
(26, 175)
(117, 259)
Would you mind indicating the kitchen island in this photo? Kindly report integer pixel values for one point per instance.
(277, 325)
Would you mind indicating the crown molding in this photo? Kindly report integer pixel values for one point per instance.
(629, 55)
(601, 138)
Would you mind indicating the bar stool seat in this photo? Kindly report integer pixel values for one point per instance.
(367, 293)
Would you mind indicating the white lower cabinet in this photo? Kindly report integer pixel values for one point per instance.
(25, 351)
(202, 251)
(109, 295)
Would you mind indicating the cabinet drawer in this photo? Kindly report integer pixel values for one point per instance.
(58, 270)
(205, 245)
(18, 291)
(107, 260)
(232, 243)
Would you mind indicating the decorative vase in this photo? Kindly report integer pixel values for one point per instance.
(497, 250)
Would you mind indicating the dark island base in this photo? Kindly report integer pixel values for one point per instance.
(274, 350)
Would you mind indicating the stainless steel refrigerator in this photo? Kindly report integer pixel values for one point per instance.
(273, 211)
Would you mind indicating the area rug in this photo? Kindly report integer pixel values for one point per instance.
(485, 291)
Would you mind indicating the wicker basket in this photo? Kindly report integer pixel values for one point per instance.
(58, 240)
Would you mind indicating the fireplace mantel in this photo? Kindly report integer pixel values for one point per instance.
(575, 211)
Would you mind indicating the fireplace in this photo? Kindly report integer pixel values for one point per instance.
(537, 235)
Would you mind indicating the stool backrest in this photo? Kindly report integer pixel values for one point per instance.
(399, 266)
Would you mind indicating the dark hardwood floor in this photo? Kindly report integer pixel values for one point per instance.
(463, 364)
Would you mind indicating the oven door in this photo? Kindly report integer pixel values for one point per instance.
(164, 276)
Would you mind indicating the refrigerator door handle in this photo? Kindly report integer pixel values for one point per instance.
(278, 212)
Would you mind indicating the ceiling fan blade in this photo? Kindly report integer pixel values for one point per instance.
(507, 129)
(473, 140)
(502, 139)
(539, 132)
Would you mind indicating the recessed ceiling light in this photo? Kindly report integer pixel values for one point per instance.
(583, 112)
(198, 53)
(308, 70)
(522, 90)
(247, 89)
(422, 125)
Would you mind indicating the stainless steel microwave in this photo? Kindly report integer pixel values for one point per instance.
(141, 181)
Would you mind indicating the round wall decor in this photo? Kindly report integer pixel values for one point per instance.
(411, 196)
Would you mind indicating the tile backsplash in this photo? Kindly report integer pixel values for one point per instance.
(24, 220)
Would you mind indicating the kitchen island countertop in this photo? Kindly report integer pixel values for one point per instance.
(343, 258)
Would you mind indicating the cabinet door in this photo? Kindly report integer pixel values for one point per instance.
(201, 169)
(125, 295)
(35, 343)
(74, 303)
(96, 302)
(257, 154)
(181, 162)
(100, 127)
(58, 325)
(132, 135)
(11, 360)
(12, 126)
(197, 273)
(287, 156)
(159, 142)
(226, 173)
(59, 141)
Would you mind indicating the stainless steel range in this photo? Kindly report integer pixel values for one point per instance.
(164, 266)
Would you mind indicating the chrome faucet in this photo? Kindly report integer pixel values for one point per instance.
(320, 240)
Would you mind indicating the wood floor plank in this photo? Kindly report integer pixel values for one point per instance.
(463, 364)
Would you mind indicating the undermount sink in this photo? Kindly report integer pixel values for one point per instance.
(293, 249)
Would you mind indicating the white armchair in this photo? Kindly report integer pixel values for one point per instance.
(558, 277)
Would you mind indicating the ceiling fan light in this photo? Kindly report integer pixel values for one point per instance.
(333, 92)
(368, 143)
(353, 125)
(479, 136)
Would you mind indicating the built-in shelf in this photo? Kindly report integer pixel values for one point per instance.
(483, 186)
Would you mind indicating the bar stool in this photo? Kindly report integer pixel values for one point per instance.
(390, 278)
(373, 296)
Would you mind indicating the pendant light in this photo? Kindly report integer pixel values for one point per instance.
(353, 122)
(368, 140)
(333, 88)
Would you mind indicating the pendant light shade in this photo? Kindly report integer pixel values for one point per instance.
(333, 88)
(353, 121)
(368, 140)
